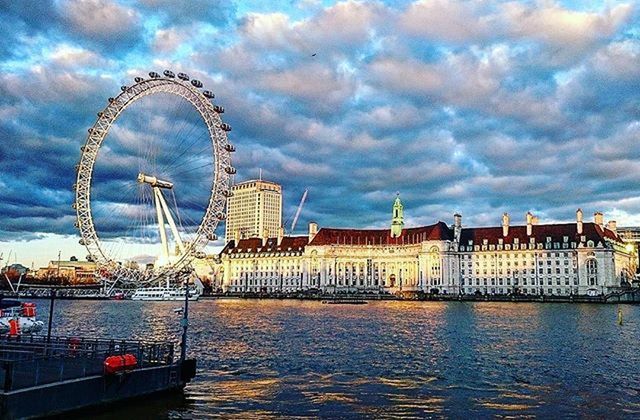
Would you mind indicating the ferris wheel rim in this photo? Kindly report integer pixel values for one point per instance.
(222, 169)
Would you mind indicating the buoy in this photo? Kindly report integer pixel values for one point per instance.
(14, 327)
(619, 316)
(115, 364)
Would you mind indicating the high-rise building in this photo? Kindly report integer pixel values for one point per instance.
(254, 207)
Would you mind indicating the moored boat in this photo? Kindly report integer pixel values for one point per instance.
(164, 293)
(344, 302)
(18, 317)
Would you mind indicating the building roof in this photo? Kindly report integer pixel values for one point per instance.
(436, 232)
(254, 245)
(255, 181)
(74, 264)
(329, 236)
(556, 232)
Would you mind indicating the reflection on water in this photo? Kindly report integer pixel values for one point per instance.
(269, 358)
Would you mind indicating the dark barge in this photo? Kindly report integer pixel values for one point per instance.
(42, 376)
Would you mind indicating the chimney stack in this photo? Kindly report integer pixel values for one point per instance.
(579, 221)
(265, 236)
(598, 219)
(505, 224)
(280, 235)
(236, 236)
(313, 230)
(612, 225)
(529, 223)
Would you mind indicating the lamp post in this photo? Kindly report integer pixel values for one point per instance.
(185, 322)
(52, 295)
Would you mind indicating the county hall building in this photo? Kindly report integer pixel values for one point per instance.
(560, 259)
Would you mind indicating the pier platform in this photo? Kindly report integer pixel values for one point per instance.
(40, 377)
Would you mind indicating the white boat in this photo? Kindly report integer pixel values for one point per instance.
(168, 292)
(164, 293)
(18, 318)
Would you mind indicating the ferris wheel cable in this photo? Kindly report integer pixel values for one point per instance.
(145, 215)
(187, 131)
(179, 109)
(198, 155)
(192, 169)
(175, 206)
(200, 152)
(139, 222)
(186, 149)
(189, 120)
(118, 213)
(201, 173)
(190, 226)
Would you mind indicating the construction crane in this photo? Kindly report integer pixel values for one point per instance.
(295, 218)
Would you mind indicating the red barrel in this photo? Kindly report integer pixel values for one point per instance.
(28, 309)
(115, 364)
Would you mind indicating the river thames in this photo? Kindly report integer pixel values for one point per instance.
(271, 358)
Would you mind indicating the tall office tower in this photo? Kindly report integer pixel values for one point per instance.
(254, 208)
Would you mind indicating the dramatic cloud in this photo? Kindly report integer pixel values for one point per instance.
(475, 107)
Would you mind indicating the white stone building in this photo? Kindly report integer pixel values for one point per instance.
(558, 259)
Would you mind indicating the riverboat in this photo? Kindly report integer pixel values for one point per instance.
(18, 317)
(164, 293)
(344, 302)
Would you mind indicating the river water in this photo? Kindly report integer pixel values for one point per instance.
(271, 358)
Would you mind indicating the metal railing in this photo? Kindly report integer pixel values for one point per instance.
(27, 361)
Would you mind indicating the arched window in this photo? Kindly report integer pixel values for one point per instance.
(592, 272)
(434, 263)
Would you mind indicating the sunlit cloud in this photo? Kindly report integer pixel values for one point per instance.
(473, 107)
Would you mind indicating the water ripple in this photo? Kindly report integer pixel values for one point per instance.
(297, 359)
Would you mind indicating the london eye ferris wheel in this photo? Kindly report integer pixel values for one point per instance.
(152, 182)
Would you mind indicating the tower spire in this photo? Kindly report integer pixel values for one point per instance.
(397, 218)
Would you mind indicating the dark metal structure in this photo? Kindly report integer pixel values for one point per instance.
(42, 375)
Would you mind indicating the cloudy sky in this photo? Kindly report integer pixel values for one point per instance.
(477, 107)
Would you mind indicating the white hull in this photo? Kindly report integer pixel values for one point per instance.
(28, 325)
(162, 294)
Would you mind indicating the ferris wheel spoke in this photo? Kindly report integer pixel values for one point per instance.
(188, 149)
(198, 155)
(185, 171)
